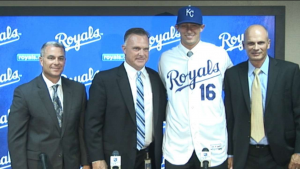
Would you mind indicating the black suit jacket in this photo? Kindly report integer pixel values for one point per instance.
(111, 120)
(281, 116)
(33, 127)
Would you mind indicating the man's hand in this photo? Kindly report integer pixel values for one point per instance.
(295, 161)
(230, 162)
(86, 167)
(101, 164)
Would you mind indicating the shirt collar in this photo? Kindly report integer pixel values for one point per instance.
(49, 83)
(185, 50)
(264, 67)
(132, 72)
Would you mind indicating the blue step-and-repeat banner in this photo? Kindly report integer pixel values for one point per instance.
(93, 44)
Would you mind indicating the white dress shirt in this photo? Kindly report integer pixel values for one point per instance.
(148, 102)
(59, 89)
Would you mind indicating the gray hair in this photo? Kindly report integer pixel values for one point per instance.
(51, 43)
(135, 31)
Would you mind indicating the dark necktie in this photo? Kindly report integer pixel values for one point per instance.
(57, 105)
(189, 54)
(140, 114)
(257, 120)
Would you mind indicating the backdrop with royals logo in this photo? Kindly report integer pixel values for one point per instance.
(93, 44)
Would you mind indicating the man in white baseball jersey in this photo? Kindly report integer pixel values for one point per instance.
(193, 73)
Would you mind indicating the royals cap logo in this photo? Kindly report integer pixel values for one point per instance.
(189, 14)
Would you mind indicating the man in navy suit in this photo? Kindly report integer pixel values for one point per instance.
(111, 121)
(279, 145)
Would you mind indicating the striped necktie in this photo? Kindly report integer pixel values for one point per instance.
(57, 105)
(257, 119)
(140, 114)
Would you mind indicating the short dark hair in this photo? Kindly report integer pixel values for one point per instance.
(136, 31)
(51, 43)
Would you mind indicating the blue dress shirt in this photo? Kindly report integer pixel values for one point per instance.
(263, 77)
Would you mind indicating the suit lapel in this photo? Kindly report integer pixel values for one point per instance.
(243, 73)
(273, 71)
(67, 102)
(155, 96)
(46, 100)
(125, 89)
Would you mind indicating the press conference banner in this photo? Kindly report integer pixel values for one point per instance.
(93, 44)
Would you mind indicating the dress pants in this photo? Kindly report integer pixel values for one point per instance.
(140, 159)
(260, 157)
(193, 163)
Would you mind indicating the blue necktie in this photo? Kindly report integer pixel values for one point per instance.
(140, 114)
(57, 105)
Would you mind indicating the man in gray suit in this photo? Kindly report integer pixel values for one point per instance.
(48, 120)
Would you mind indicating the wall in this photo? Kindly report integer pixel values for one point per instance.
(292, 44)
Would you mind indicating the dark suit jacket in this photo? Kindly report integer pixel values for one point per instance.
(111, 120)
(33, 127)
(281, 116)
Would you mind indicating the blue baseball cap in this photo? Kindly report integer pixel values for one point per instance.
(189, 14)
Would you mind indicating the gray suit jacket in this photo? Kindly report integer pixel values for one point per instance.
(33, 127)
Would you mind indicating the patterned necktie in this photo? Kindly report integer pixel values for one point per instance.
(57, 105)
(189, 54)
(257, 120)
(140, 115)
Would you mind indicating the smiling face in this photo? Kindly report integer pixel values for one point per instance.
(53, 62)
(256, 44)
(190, 34)
(136, 50)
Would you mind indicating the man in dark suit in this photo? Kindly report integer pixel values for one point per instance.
(111, 119)
(48, 120)
(275, 142)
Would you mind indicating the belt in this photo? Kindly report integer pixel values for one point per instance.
(259, 146)
(144, 149)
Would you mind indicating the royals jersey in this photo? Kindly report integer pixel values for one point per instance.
(195, 111)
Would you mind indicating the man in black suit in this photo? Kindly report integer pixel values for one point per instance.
(276, 144)
(111, 120)
(44, 121)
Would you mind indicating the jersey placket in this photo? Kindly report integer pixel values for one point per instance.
(193, 117)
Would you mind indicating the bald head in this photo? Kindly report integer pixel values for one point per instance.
(256, 43)
(256, 30)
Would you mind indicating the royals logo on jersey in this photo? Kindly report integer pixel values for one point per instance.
(178, 80)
